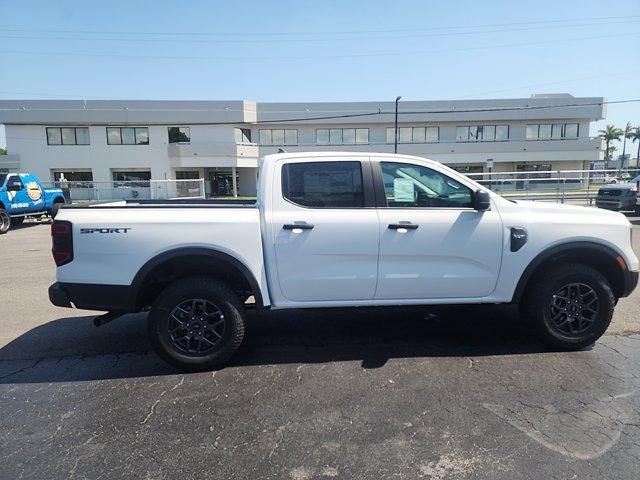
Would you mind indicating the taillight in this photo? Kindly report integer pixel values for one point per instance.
(62, 239)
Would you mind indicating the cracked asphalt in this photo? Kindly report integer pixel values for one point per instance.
(441, 393)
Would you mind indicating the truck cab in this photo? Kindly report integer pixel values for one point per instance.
(23, 195)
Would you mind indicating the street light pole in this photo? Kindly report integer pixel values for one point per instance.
(395, 129)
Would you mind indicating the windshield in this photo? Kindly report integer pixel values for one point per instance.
(3, 177)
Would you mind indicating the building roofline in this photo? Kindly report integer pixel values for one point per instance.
(163, 112)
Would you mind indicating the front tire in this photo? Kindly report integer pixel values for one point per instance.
(196, 324)
(5, 221)
(570, 306)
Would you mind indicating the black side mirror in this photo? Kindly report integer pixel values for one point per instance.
(481, 200)
(14, 187)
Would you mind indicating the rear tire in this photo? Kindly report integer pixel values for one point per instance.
(196, 324)
(55, 208)
(5, 221)
(570, 306)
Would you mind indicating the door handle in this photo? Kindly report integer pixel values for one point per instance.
(301, 226)
(406, 226)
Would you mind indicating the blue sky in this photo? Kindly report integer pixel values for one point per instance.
(320, 51)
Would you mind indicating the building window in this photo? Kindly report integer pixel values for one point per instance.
(127, 135)
(67, 135)
(555, 131)
(323, 184)
(414, 134)
(243, 135)
(279, 137)
(179, 135)
(535, 167)
(570, 130)
(75, 179)
(482, 133)
(342, 136)
(133, 178)
(466, 169)
(187, 175)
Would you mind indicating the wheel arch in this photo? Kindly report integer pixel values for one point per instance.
(600, 257)
(182, 262)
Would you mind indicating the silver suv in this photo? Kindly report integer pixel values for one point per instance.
(621, 196)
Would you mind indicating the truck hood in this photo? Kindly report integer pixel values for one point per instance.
(597, 215)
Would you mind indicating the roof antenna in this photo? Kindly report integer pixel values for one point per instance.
(282, 150)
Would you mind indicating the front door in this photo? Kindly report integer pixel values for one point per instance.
(19, 201)
(433, 244)
(324, 227)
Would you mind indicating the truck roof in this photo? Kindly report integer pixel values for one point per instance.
(322, 155)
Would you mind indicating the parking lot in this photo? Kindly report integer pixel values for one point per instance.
(440, 393)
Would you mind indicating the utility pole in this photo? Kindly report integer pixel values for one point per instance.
(395, 130)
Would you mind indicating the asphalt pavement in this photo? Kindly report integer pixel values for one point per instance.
(440, 393)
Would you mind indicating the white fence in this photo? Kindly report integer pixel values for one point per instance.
(93, 192)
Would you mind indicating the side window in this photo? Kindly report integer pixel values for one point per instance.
(323, 184)
(407, 186)
(15, 179)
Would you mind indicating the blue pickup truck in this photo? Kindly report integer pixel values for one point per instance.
(23, 195)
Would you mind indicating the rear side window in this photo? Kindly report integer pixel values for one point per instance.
(323, 184)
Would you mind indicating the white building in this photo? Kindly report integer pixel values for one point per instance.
(106, 141)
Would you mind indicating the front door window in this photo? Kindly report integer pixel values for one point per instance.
(407, 185)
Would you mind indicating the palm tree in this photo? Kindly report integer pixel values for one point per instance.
(609, 134)
(626, 132)
(634, 136)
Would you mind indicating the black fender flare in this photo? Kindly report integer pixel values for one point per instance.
(147, 268)
(557, 251)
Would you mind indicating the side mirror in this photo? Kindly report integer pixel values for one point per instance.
(481, 200)
(14, 187)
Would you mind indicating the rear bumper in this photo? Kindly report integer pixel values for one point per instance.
(106, 298)
(58, 296)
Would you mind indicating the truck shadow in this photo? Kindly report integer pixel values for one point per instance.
(72, 349)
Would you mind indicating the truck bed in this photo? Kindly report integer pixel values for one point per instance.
(112, 242)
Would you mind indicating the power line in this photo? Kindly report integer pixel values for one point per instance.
(311, 57)
(307, 33)
(307, 40)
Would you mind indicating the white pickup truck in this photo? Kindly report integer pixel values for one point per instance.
(341, 230)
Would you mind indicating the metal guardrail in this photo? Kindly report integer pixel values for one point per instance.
(552, 185)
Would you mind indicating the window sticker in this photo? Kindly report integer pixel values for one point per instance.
(403, 190)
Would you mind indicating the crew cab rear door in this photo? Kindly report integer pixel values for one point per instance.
(433, 244)
(324, 227)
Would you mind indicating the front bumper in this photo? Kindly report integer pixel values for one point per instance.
(608, 204)
(630, 283)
